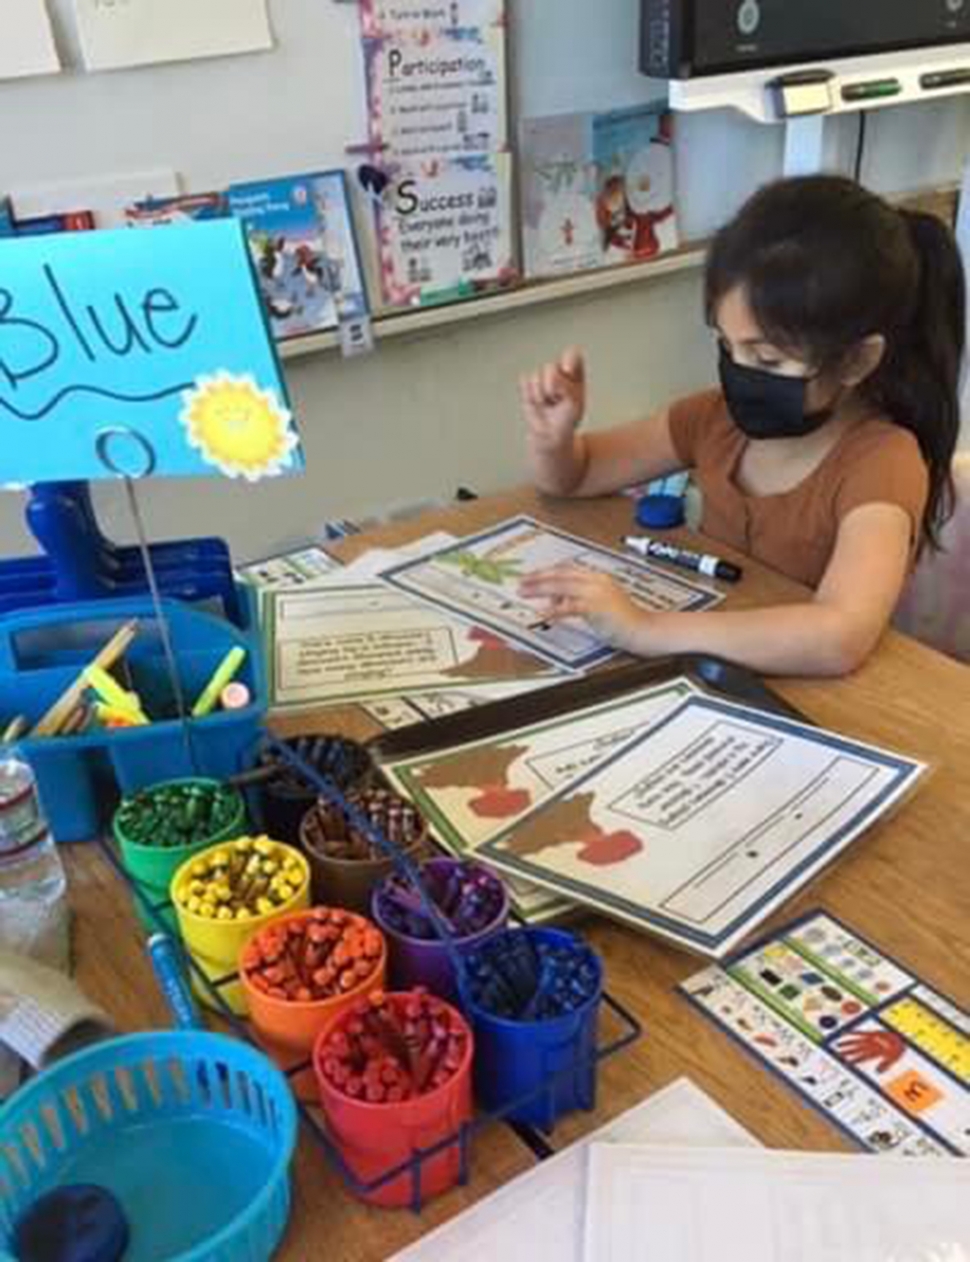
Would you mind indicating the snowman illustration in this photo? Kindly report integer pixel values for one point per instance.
(649, 181)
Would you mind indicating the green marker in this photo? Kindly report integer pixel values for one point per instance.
(225, 673)
(871, 91)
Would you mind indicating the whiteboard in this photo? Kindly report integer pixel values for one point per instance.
(296, 108)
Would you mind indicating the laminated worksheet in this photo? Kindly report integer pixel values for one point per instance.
(878, 1052)
(652, 1204)
(479, 578)
(479, 789)
(340, 643)
(702, 825)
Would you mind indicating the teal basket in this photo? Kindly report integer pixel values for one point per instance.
(192, 1132)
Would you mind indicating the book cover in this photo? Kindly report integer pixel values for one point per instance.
(303, 244)
(163, 211)
(633, 156)
(597, 189)
(45, 225)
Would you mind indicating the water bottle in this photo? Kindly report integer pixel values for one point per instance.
(34, 917)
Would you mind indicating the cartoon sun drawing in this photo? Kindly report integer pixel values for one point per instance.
(240, 428)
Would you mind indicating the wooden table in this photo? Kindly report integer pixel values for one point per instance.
(906, 886)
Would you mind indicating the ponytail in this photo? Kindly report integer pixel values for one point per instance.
(826, 264)
(918, 383)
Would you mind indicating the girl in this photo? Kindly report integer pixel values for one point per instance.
(825, 454)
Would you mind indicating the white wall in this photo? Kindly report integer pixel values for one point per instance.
(425, 413)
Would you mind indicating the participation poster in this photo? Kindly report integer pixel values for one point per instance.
(479, 577)
(876, 1050)
(701, 826)
(338, 644)
(438, 92)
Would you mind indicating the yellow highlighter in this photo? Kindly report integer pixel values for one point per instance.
(225, 673)
(110, 692)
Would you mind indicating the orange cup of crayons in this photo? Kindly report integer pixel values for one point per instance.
(301, 972)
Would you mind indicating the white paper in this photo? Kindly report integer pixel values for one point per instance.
(544, 1209)
(105, 195)
(647, 1204)
(149, 32)
(26, 40)
(394, 713)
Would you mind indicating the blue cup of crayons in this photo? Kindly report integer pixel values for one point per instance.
(533, 999)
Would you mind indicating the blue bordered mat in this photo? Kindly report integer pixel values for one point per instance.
(724, 891)
(476, 579)
(859, 1037)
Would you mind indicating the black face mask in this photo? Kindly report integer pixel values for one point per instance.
(765, 405)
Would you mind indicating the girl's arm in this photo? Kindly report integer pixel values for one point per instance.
(567, 463)
(831, 634)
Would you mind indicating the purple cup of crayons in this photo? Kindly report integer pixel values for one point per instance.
(471, 901)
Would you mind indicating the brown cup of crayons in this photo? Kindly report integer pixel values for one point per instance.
(346, 865)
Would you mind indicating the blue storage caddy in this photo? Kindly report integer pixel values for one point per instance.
(42, 651)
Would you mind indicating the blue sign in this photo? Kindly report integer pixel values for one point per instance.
(137, 352)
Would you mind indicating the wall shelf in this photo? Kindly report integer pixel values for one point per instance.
(528, 294)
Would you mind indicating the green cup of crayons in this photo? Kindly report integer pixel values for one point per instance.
(160, 827)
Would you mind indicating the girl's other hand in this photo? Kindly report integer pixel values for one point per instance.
(554, 400)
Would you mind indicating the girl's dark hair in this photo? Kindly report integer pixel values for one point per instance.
(824, 264)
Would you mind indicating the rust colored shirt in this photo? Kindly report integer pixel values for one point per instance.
(794, 532)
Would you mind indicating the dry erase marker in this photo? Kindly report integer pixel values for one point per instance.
(710, 566)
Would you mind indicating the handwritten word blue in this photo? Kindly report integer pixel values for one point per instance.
(142, 347)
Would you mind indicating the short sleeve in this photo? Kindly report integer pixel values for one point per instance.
(886, 467)
(689, 420)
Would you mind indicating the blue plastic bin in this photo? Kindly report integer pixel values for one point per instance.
(43, 651)
(513, 1059)
(192, 1133)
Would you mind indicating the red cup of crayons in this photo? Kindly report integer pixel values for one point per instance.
(395, 1076)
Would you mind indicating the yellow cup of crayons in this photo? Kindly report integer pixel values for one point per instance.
(225, 894)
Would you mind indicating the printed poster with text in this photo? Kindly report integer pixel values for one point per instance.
(438, 92)
(383, 18)
(445, 223)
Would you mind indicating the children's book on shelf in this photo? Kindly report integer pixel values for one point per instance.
(597, 189)
(47, 225)
(162, 211)
(303, 243)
